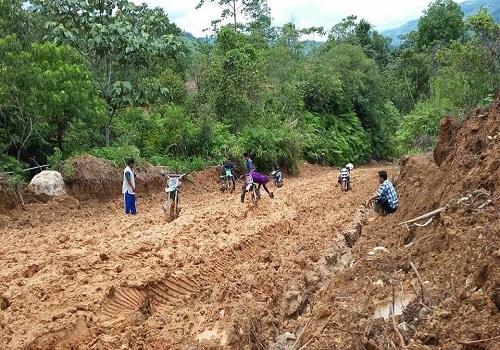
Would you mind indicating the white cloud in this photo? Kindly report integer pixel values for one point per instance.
(383, 14)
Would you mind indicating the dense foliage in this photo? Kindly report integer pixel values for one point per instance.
(116, 79)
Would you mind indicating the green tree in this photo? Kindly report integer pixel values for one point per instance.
(121, 44)
(441, 23)
(17, 17)
(248, 15)
(235, 77)
(44, 89)
(361, 34)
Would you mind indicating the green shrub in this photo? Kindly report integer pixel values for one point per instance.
(55, 160)
(271, 143)
(8, 163)
(15, 182)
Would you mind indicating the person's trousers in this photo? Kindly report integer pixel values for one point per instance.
(129, 200)
(383, 204)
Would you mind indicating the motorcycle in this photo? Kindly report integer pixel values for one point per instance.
(277, 178)
(344, 180)
(251, 189)
(224, 180)
(171, 205)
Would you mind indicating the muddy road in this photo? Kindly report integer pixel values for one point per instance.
(222, 275)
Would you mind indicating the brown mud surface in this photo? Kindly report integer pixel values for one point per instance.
(310, 269)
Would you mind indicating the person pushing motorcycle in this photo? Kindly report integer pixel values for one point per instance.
(259, 179)
(230, 166)
(345, 174)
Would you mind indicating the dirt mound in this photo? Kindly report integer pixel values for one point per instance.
(444, 271)
(8, 198)
(88, 177)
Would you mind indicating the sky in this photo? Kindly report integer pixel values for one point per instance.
(383, 14)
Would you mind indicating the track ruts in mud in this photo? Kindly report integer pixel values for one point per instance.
(174, 289)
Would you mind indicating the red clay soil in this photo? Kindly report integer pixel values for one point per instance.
(303, 270)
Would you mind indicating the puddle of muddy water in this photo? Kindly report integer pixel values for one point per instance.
(384, 311)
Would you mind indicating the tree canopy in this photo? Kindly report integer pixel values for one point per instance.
(110, 77)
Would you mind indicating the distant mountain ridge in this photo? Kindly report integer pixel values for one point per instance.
(468, 8)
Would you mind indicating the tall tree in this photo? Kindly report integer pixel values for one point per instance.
(246, 15)
(18, 17)
(121, 44)
(442, 22)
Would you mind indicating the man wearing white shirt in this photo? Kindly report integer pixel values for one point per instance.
(128, 187)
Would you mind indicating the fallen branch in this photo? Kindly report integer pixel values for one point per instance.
(471, 342)
(424, 289)
(300, 335)
(425, 224)
(401, 339)
(425, 216)
(393, 311)
(318, 332)
(485, 204)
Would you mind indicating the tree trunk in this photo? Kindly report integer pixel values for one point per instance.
(234, 15)
(60, 140)
(106, 128)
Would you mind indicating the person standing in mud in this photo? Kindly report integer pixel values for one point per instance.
(128, 187)
(386, 198)
(248, 163)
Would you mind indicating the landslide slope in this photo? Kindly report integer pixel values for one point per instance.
(456, 303)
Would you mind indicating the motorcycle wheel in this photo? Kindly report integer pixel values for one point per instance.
(255, 196)
(344, 185)
(169, 210)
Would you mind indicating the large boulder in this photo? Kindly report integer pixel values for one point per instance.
(47, 185)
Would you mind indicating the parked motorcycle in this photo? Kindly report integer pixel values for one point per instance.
(277, 178)
(171, 205)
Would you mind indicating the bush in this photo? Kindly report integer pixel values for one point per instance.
(8, 163)
(332, 140)
(180, 165)
(55, 161)
(418, 130)
(272, 143)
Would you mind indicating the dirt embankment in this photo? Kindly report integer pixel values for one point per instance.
(456, 304)
(8, 198)
(88, 177)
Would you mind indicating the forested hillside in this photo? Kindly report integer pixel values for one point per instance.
(469, 8)
(114, 79)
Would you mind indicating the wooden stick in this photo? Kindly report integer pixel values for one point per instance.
(317, 332)
(470, 342)
(425, 216)
(300, 335)
(401, 339)
(393, 312)
(421, 282)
